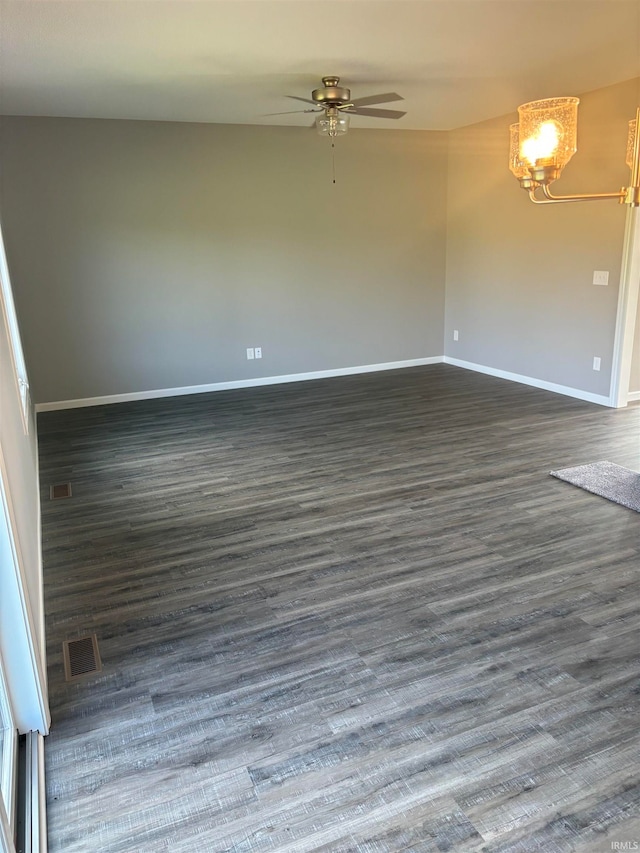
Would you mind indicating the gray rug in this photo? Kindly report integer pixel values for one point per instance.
(605, 479)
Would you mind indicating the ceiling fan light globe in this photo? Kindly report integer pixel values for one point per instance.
(332, 124)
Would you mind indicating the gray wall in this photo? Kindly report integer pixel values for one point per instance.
(149, 255)
(519, 276)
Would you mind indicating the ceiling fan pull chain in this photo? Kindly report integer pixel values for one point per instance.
(333, 161)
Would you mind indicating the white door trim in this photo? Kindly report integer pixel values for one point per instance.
(6, 836)
(627, 311)
(24, 667)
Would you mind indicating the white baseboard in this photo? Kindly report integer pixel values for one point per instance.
(632, 396)
(528, 380)
(236, 383)
(324, 374)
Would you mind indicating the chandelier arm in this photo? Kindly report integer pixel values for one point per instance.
(566, 199)
(535, 200)
(563, 199)
(582, 196)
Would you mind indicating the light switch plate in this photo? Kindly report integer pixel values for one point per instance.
(601, 277)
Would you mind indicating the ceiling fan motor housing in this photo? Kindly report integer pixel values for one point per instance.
(331, 94)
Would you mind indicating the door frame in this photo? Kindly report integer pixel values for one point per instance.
(627, 311)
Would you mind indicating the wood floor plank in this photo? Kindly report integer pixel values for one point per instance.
(354, 615)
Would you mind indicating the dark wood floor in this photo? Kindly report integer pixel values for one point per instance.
(346, 615)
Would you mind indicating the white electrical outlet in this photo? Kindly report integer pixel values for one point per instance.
(250, 352)
(258, 352)
(596, 362)
(455, 334)
(601, 277)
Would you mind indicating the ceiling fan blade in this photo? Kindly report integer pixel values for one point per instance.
(306, 100)
(290, 112)
(377, 99)
(377, 113)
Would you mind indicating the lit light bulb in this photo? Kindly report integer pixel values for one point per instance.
(543, 145)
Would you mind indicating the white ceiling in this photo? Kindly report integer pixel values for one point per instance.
(232, 61)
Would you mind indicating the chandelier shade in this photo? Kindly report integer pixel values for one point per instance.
(631, 142)
(545, 139)
(548, 134)
(518, 166)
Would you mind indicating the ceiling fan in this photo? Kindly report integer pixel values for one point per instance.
(334, 105)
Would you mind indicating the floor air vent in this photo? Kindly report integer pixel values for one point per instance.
(60, 490)
(81, 657)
